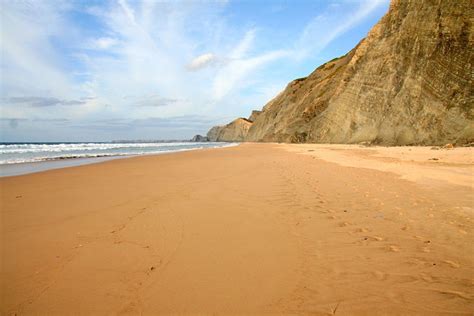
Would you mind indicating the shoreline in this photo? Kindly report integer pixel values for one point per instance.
(25, 168)
(249, 229)
(463, 157)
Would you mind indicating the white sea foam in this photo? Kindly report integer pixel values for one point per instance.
(33, 148)
(30, 153)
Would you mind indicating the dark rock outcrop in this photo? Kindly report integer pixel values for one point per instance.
(199, 138)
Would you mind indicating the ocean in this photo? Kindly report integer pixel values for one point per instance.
(21, 158)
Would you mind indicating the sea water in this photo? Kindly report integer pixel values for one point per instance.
(21, 158)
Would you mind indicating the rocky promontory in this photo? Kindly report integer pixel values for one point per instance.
(235, 131)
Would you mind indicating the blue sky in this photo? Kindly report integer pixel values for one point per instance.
(122, 69)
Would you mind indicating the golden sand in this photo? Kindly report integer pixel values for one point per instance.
(253, 229)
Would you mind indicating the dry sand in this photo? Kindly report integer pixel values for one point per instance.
(252, 229)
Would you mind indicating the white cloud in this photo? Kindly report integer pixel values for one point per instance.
(234, 74)
(177, 58)
(326, 27)
(231, 75)
(103, 43)
(128, 11)
(201, 61)
(244, 45)
(30, 64)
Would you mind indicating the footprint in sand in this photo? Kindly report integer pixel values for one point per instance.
(343, 224)
(394, 248)
(372, 238)
(380, 275)
(459, 294)
(405, 228)
(426, 277)
(362, 230)
(452, 264)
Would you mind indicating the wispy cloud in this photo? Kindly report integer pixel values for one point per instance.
(152, 100)
(329, 25)
(240, 63)
(44, 101)
(30, 63)
(177, 59)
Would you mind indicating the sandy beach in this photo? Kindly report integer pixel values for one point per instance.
(253, 229)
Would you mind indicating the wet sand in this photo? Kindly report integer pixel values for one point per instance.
(253, 229)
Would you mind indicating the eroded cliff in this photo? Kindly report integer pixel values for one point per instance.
(234, 131)
(408, 82)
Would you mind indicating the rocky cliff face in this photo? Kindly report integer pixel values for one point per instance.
(254, 115)
(236, 131)
(408, 82)
(213, 133)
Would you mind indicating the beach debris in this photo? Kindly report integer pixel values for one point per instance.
(448, 146)
(18, 196)
(434, 158)
(434, 148)
(152, 268)
(310, 149)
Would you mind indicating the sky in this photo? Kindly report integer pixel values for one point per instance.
(126, 70)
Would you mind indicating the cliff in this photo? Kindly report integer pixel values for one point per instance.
(254, 115)
(408, 82)
(235, 131)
